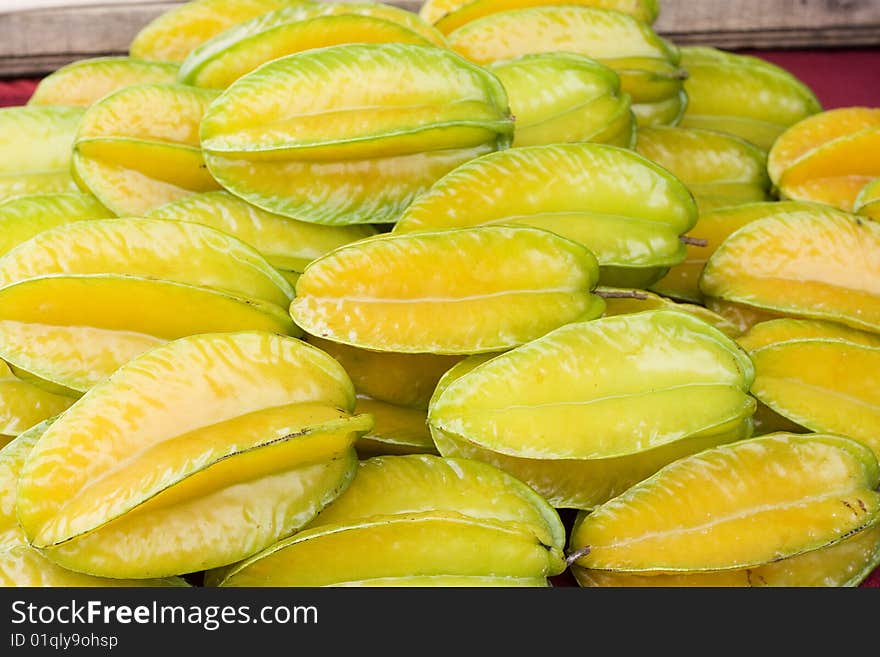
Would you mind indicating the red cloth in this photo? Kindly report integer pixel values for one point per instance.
(839, 78)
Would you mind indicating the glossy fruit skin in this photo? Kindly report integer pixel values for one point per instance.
(35, 145)
(21, 564)
(786, 505)
(23, 217)
(287, 244)
(828, 260)
(24, 405)
(648, 65)
(416, 518)
(566, 434)
(867, 203)
(818, 375)
(175, 33)
(719, 169)
(280, 140)
(80, 299)
(564, 97)
(83, 82)
(250, 425)
(526, 282)
(627, 210)
(828, 157)
(220, 61)
(138, 147)
(448, 15)
(714, 226)
(621, 301)
(88, 325)
(148, 248)
(844, 564)
(743, 95)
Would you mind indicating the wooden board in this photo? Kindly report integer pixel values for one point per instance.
(36, 41)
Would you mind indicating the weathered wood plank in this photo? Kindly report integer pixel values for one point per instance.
(36, 41)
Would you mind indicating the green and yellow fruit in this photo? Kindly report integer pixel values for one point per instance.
(630, 212)
(175, 33)
(828, 157)
(843, 564)
(735, 507)
(713, 227)
(620, 301)
(192, 456)
(823, 264)
(21, 564)
(287, 244)
(819, 375)
(719, 169)
(462, 291)
(23, 217)
(79, 300)
(448, 15)
(648, 64)
(138, 148)
(219, 62)
(395, 389)
(415, 521)
(85, 81)
(35, 149)
(743, 95)
(867, 203)
(24, 405)
(351, 134)
(593, 407)
(563, 97)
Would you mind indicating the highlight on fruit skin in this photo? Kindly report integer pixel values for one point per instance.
(220, 61)
(622, 301)
(287, 244)
(23, 217)
(719, 169)
(458, 291)
(712, 228)
(770, 499)
(85, 81)
(250, 432)
(742, 95)
(35, 149)
(138, 148)
(561, 97)
(820, 375)
(294, 137)
(548, 413)
(823, 264)
(79, 300)
(630, 212)
(23, 565)
(175, 33)
(417, 520)
(844, 564)
(648, 64)
(867, 203)
(448, 15)
(828, 157)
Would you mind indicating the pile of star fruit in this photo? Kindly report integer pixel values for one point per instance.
(340, 294)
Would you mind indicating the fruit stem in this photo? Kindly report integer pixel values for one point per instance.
(577, 554)
(629, 294)
(693, 241)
